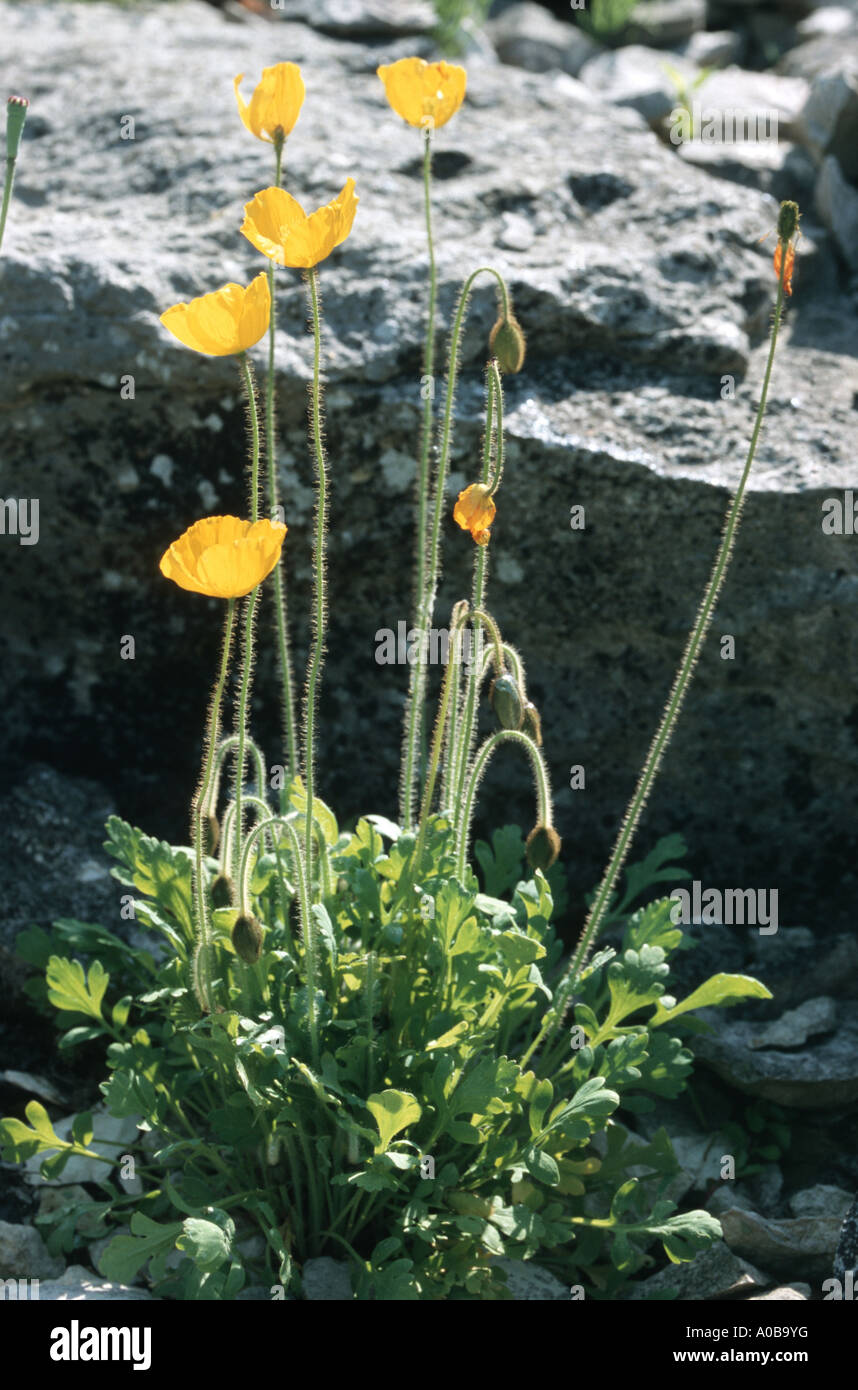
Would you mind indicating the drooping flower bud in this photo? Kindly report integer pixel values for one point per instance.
(223, 891)
(543, 847)
(247, 939)
(507, 343)
(16, 115)
(507, 701)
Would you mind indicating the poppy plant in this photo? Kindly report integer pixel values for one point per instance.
(276, 224)
(230, 320)
(223, 556)
(276, 103)
(475, 511)
(424, 94)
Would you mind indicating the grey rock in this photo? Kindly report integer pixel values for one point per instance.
(79, 1284)
(24, 1255)
(715, 1273)
(798, 965)
(325, 1279)
(837, 204)
(637, 76)
(765, 1189)
(362, 19)
(820, 57)
(36, 1086)
(755, 101)
(641, 286)
(785, 1293)
(527, 1282)
(846, 1254)
(794, 1028)
(665, 23)
(821, 1200)
(776, 168)
(54, 833)
(829, 121)
(783, 1247)
(527, 36)
(830, 21)
(815, 1078)
(714, 48)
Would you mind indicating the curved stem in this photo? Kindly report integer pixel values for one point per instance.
(319, 594)
(466, 812)
(201, 969)
(673, 707)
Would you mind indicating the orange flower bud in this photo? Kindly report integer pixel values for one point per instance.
(475, 511)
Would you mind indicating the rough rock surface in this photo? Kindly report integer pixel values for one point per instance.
(641, 285)
(23, 1254)
(79, 1284)
(808, 1243)
(817, 1076)
(714, 1273)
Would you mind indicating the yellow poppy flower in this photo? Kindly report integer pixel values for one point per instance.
(424, 94)
(475, 512)
(230, 320)
(276, 102)
(224, 557)
(278, 226)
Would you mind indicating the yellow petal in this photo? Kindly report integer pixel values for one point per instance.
(424, 93)
(223, 556)
(230, 320)
(278, 226)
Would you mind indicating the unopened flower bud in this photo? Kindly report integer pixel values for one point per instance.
(223, 891)
(507, 702)
(788, 221)
(16, 115)
(247, 939)
(543, 847)
(507, 343)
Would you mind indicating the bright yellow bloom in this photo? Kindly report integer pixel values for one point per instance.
(276, 102)
(224, 557)
(475, 512)
(230, 320)
(424, 94)
(278, 226)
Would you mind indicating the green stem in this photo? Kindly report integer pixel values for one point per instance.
(319, 592)
(250, 614)
(674, 705)
(460, 615)
(426, 603)
(201, 970)
(280, 613)
(416, 683)
(7, 194)
(466, 812)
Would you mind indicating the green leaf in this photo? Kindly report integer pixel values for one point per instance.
(501, 862)
(542, 1166)
(717, 990)
(322, 814)
(70, 989)
(392, 1111)
(207, 1243)
(125, 1256)
(325, 928)
(541, 1097)
(154, 868)
(653, 926)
